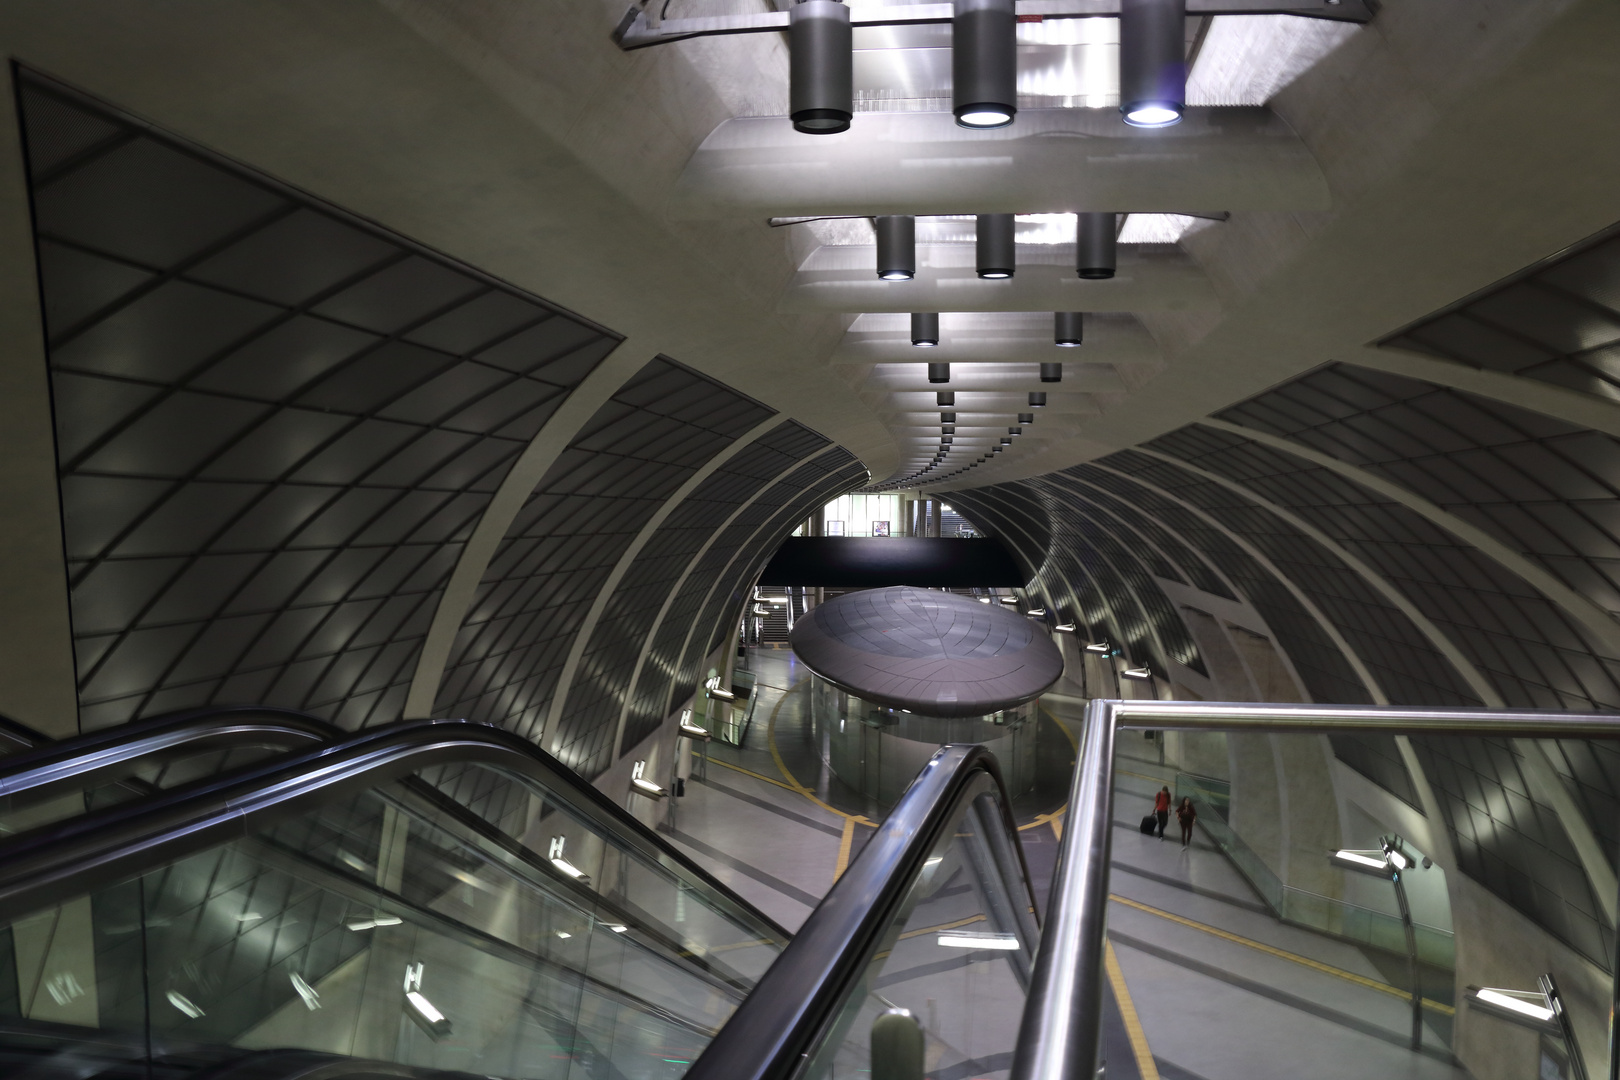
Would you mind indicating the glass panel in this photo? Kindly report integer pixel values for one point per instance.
(387, 926)
(957, 958)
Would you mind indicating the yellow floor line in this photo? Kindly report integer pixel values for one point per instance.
(844, 843)
(1145, 1065)
(792, 781)
(957, 925)
(1283, 954)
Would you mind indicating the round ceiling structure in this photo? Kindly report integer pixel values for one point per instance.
(931, 652)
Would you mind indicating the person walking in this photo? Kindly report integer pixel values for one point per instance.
(1186, 815)
(1161, 809)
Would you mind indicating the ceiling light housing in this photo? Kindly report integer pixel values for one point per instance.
(995, 246)
(947, 418)
(1026, 418)
(1037, 399)
(1068, 329)
(821, 67)
(1096, 245)
(1152, 62)
(984, 63)
(939, 373)
(896, 245)
(1051, 373)
(944, 398)
(925, 329)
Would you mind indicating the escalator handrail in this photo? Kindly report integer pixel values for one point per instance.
(802, 992)
(71, 858)
(104, 755)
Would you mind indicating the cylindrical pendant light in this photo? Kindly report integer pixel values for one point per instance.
(821, 67)
(939, 373)
(995, 245)
(944, 398)
(984, 63)
(946, 440)
(1152, 61)
(947, 429)
(1015, 431)
(896, 246)
(1095, 243)
(1026, 418)
(925, 329)
(1037, 400)
(1068, 329)
(1051, 373)
(947, 418)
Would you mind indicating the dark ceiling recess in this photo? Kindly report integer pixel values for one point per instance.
(867, 562)
(276, 424)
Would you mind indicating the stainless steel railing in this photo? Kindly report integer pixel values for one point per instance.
(1059, 1036)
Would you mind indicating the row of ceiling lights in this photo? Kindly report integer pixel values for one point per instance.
(984, 87)
(984, 64)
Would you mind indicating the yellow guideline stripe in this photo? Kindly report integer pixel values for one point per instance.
(1283, 954)
(781, 766)
(844, 843)
(957, 925)
(1145, 1065)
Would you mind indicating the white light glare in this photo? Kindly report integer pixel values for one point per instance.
(966, 939)
(984, 117)
(1064, 627)
(1036, 611)
(1504, 999)
(1153, 114)
(617, 928)
(312, 999)
(555, 854)
(1138, 673)
(1398, 859)
(565, 935)
(371, 922)
(896, 275)
(1009, 599)
(1099, 647)
(425, 1007)
(184, 1004)
(995, 275)
(1345, 855)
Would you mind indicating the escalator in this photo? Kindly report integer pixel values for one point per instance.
(251, 894)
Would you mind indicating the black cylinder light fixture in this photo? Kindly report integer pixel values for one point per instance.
(821, 67)
(947, 429)
(925, 329)
(995, 245)
(1051, 373)
(1152, 61)
(945, 398)
(1037, 399)
(896, 246)
(1095, 245)
(984, 63)
(1015, 431)
(947, 418)
(1026, 418)
(1068, 329)
(938, 373)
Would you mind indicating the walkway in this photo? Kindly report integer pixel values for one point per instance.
(1205, 985)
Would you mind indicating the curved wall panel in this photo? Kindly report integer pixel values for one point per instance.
(276, 425)
(582, 516)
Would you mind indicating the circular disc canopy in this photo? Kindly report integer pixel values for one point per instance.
(931, 652)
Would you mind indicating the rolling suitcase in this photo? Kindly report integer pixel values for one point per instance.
(1149, 823)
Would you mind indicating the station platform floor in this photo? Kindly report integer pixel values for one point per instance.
(1205, 984)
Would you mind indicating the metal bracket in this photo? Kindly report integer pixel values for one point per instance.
(639, 28)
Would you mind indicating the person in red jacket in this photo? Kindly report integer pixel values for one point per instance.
(1161, 809)
(1186, 815)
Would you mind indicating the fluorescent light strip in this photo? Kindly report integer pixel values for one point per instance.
(1503, 1000)
(963, 939)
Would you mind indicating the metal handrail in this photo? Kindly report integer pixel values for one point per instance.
(55, 863)
(802, 992)
(1058, 1038)
(117, 752)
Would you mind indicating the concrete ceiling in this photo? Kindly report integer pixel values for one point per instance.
(1372, 175)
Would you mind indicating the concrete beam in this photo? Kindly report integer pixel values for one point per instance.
(1050, 161)
(1150, 277)
(886, 339)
